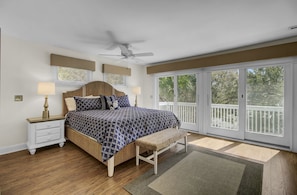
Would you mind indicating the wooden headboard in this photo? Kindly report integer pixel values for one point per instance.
(95, 88)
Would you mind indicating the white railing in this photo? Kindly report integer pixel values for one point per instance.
(265, 120)
(224, 116)
(186, 111)
(260, 119)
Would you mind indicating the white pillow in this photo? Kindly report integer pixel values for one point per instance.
(71, 104)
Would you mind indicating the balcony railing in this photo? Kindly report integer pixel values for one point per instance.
(267, 120)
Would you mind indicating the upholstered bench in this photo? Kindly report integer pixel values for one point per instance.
(159, 142)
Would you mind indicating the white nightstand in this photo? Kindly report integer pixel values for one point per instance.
(45, 132)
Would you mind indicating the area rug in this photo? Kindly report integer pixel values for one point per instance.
(200, 172)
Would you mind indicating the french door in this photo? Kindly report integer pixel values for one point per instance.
(251, 103)
(223, 103)
(177, 93)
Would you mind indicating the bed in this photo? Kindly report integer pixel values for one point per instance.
(108, 134)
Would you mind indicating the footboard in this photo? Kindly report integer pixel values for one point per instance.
(92, 147)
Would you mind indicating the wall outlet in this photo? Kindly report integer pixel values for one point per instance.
(18, 98)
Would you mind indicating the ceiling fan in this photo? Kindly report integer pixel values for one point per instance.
(125, 51)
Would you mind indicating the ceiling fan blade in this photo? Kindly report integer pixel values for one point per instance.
(110, 55)
(143, 54)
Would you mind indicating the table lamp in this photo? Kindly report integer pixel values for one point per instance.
(46, 88)
(136, 91)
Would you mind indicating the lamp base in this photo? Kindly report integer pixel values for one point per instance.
(45, 114)
(135, 101)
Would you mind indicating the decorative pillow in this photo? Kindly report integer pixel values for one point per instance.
(113, 105)
(104, 99)
(111, 102)
(123, 101)
(87, 103)
(71, 104)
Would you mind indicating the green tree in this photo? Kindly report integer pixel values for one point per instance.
(224, 87)
(265, 86)
(186, 88)
(166, 90)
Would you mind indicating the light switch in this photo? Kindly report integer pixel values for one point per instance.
(18, 98)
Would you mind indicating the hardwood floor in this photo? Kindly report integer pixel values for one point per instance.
(69, 170)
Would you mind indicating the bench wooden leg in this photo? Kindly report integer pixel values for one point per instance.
(155, 162)
(186, 143)
(137, 155)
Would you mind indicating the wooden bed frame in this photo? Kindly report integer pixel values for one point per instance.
(89, 144)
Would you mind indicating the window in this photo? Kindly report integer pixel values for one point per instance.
(72, 70)
(72, 75)
(115, 79)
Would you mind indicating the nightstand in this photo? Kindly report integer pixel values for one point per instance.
(45, 132)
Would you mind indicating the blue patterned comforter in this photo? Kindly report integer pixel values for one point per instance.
(115, 129)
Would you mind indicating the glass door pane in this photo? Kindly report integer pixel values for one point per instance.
(166, 93)
(186, 100)
(265, 105)
(224, 99)
(178, 94)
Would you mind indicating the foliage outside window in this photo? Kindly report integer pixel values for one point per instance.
(166, 89)
(224, 87)
(186, 89)
(115, 79)
(72, 74)
(265, 86)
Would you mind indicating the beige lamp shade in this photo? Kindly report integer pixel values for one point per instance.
(136, 90)
(46, 88)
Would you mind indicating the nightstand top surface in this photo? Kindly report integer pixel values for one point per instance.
(40, 119)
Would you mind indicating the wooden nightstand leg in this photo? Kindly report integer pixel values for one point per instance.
(32, 151)
(61, 144)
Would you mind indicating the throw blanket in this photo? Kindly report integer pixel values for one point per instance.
(115, 129)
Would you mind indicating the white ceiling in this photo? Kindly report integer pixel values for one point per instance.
(171, 29)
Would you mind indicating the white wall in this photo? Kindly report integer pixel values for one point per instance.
(23, 65)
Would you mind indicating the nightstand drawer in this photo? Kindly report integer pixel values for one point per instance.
(47, 125)
(45, 132)
(47, 138)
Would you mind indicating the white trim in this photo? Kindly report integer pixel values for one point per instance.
(13, 148)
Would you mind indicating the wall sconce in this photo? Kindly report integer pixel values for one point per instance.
(136, 91)
(46, 88)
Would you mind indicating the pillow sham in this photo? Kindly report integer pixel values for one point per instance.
(123, 101)
(83, 104)
(71, 104)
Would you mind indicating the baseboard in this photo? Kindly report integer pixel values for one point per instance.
(13, 148)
